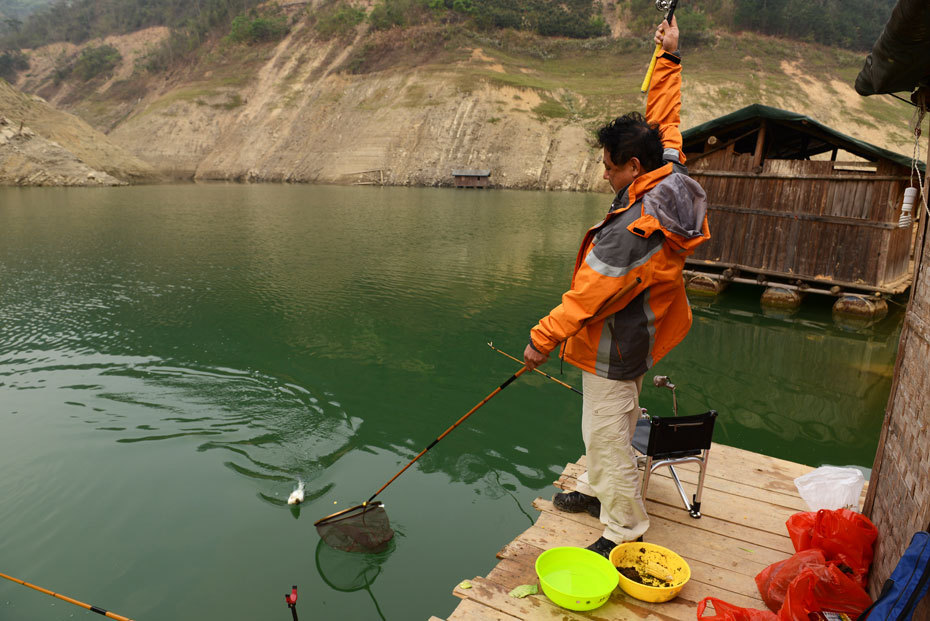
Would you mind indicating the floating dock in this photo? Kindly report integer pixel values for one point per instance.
(747, 499)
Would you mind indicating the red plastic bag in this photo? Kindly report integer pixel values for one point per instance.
(724, 611)
(822, 588)
(800, 529)
(846, 537)
(773, 581)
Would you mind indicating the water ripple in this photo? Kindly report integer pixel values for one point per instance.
(275, 429)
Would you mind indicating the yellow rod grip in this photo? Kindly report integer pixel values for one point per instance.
(652, 67)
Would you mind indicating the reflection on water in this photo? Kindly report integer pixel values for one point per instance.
(348, 572)
(174, 359)
(802, 386)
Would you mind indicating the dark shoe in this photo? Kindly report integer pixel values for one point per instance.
(602, 546)
(576, 502)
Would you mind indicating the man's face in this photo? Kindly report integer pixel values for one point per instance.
(620, 176)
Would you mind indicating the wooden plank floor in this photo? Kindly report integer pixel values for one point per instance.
(747, 499)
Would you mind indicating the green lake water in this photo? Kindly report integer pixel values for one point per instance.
(174, 358)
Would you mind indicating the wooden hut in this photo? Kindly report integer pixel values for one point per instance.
(472, 178)
(794, 202)
(898, 501)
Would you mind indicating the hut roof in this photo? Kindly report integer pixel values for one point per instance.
(799, 136)
(900, 58)
(471, 173)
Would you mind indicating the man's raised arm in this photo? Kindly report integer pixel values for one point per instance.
(663, 101)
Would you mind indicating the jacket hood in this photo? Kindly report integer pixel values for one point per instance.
(679, 203)
(676, 205)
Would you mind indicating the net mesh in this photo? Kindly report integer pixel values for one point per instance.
(364, 528)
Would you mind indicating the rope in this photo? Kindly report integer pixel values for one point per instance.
(919, 113)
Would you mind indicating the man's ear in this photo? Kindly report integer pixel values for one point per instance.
(637, 166)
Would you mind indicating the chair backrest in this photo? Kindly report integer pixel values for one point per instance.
(675, 434)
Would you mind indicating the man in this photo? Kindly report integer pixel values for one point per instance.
(657, 218)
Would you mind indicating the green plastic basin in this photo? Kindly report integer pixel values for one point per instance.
(576, 578)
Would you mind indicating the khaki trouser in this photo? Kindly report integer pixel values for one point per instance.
(608, 421)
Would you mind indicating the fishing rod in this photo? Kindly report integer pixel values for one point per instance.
(543, 373)
(65, 598)
(600, 314)
(661, 5)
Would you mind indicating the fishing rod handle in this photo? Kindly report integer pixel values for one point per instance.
(652, 68)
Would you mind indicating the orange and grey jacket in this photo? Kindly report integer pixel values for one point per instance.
(652, 225)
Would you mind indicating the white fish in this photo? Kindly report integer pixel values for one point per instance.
(297, 496)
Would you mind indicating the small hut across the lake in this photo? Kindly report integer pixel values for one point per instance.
(472, 178)
(800, 206)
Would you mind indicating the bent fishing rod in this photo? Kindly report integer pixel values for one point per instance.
(65, 598)
(601, 314)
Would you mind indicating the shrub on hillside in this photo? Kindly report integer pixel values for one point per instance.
(94, 61)
(258, 27)
(339, 20)
(11, 63)
(387, 14)
(695, 27)
(577, 19)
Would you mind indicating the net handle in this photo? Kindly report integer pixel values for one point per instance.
(507, 383)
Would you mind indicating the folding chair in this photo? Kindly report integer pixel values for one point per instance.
(675, 440)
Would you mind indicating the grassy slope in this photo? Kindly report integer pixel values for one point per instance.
(591, 84)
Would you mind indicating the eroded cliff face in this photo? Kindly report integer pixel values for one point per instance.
(298, 119)
(40, 145)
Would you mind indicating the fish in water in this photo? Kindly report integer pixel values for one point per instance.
(297, 496)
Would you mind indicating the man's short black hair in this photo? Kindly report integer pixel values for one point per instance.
(630, 136)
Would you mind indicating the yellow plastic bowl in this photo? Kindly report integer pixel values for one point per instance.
(576, 578)
(654, 563)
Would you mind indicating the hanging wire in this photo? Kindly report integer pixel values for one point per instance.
(907, 101)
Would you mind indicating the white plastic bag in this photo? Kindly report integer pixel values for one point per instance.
(831, 487)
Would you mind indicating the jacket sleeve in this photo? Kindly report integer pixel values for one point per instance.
(663, 103)
(616, 261)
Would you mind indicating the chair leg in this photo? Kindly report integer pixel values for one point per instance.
(695, 510)
(647, 471)
(681, 489)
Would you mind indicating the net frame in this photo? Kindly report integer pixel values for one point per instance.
(362, 528)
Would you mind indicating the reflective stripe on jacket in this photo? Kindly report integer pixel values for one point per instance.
(652, 226)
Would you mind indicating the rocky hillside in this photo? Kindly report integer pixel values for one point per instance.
(40, 145)
(407, 107)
